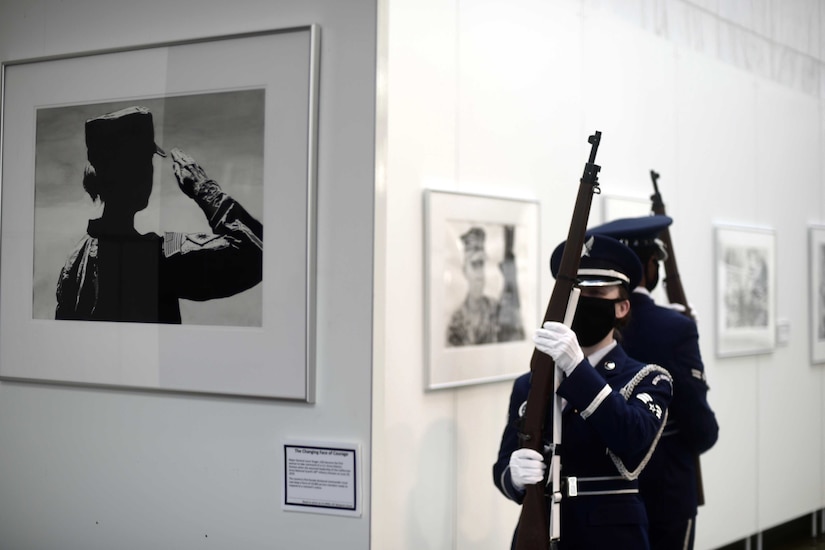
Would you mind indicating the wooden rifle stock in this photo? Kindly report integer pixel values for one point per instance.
(674, 290)
(673, 283)
(533, 532)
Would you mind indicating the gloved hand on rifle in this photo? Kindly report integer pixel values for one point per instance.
(559, 342)
(526, 468)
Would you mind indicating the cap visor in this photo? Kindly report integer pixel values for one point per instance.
(584, 283)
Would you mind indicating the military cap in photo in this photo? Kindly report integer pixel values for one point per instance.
(604, 262)
(473, 240)
(130, 127)
(637, 233)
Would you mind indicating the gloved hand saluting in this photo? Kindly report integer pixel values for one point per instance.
(559, 342)
(526, 468)
(190, 175)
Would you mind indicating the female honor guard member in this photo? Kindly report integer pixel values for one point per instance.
(613, 416)
(660, 334)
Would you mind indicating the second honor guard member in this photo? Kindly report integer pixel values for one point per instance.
(614, 413)
(667, 337)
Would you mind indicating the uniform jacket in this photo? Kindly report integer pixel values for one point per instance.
(668, 338)
(139, 278)
(596, 419)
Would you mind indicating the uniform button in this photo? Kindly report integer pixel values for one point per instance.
(610, 365)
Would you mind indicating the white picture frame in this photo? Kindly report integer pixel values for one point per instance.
(459, 351)
(816, 289)
(745, 285)
(272, 356)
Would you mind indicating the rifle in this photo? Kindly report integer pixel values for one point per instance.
(673, 284)
(534, 527)
(675, 291)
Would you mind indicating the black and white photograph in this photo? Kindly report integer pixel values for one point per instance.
(175, 240)
(745, 296)
(816, 276)
(133, 215)
(481, 257)
(487, 290)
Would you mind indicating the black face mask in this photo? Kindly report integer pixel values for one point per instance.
(652, 276)
(594, 318)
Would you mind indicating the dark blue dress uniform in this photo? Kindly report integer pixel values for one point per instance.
(668, 338)
(615, 412)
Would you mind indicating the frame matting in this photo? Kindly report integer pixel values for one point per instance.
(468, 343)
(245, 108)
(745, 290)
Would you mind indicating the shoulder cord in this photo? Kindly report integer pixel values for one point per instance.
(626, 392)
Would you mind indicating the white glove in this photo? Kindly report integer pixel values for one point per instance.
(526, 468)
(560, 343)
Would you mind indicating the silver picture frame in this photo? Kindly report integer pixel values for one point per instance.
(481, 265)
(816, 290)
(245, 106)
(745, 288)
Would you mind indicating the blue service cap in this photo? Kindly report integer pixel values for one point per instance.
(604, 262)
(641, 232)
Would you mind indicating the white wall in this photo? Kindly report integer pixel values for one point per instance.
(88, 468)
(498, 98)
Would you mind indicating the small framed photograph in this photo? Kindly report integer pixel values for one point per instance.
(745, 290)
(481, 265)
(816, 271)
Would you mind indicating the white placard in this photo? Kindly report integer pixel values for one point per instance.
(322, 478)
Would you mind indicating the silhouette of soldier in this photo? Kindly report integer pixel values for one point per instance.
(118, 274)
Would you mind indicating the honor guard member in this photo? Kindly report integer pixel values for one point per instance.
(663, 335)
(614, 412)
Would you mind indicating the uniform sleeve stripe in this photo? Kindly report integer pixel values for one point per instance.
(601, 396)
(505, 485)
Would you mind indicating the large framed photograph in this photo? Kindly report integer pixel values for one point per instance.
(745, 290)
(816, 277)
(481, 287)
(136, 185)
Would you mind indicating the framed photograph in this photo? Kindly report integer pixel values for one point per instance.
(816, 277)
(136, 185)
(745, 290)
(481, 257)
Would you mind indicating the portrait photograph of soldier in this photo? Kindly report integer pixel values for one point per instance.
(483, 298)
(151, 210)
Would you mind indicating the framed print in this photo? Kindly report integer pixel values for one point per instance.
(136, 185)
(816, 277)
(481, 287)
(745, 290)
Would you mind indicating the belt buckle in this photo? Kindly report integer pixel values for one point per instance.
(571, 486)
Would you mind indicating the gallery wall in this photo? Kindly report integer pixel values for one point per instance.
(84, 467)
(494, 98)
